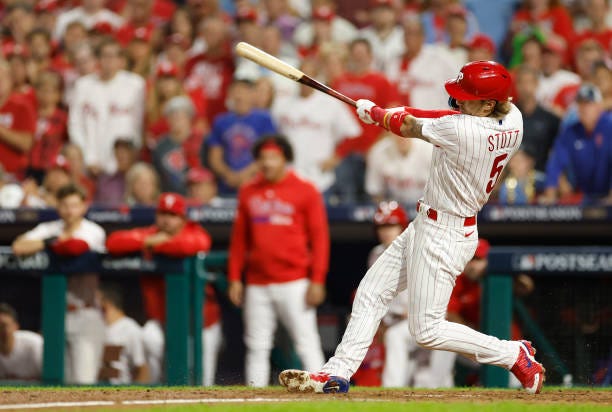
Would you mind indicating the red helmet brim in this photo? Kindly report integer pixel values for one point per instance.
(456, 92)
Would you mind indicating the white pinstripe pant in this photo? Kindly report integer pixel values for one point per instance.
(426, 258)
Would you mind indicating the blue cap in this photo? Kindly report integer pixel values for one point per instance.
(588, 93)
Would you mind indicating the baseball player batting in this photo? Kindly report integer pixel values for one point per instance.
(472, 145)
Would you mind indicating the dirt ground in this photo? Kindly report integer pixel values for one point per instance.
(21, 396)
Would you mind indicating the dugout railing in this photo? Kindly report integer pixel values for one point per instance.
(185, 280)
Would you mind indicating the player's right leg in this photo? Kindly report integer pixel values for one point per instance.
(382, 282)
(259, 326)
(440, 253)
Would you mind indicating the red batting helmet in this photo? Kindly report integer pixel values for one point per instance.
(391, 213)
(480, 80)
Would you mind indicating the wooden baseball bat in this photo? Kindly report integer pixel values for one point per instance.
(248, 51)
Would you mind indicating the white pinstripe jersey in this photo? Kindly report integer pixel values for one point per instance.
(469, 156)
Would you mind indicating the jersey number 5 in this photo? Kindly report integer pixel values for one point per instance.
(498, 166)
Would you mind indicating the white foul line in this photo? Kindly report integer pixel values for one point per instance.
(48, 405)
(56, 405)
(205, 400)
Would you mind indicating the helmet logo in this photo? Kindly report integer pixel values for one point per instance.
(459, 77)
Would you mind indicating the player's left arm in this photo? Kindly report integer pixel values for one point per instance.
(403, 121)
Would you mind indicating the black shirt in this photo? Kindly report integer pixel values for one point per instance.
(540, 130)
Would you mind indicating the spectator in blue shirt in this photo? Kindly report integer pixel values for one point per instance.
(583, 151)
(233, 135)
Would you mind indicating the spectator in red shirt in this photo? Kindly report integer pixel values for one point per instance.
(17, 125)
(597, 13)
(18, 57)
(280, 243)
(174, 236)
(51, 129)
(358, 81)
(213, 69)
(176, 48)
(139, 16)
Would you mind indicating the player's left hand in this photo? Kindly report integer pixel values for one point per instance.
(315, 295)
(364, 109)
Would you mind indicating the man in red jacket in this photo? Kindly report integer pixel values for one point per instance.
(175, 236)
(280, 242)
(72, 235)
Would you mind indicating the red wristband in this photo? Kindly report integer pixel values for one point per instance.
(378, 115)
(395, 121)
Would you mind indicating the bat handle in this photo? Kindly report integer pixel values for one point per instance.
(309, 81)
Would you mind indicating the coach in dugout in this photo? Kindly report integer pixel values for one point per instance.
(174, 236)
(280, 242)
(70, 236)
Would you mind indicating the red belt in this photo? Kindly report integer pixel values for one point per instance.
(433, 215)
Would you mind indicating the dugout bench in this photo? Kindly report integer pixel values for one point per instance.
(185, 281)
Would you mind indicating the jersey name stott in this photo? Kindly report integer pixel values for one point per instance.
(503, 140)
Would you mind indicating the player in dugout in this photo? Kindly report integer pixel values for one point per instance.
(70, 236)
(472, 145)
(175, 236)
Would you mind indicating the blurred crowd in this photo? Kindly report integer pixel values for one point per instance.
(131, 98)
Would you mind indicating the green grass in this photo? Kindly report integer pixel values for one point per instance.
(337, 406)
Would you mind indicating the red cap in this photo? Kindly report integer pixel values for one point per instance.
(46, 5)
(482, 250)
(199, 175)
(103, 27)
(555, 46)
(14, 49)
(172, 203)
(482, 41)
(246, 13)
(456, 10)
(143, 33)
(167, 69)
(381, 3)
(179, 40)
(60, 162)
(390, 213)
(323, 13)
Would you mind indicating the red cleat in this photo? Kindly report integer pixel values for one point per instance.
(527, 370)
